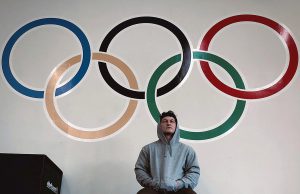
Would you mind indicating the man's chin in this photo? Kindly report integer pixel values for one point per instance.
(168, 133)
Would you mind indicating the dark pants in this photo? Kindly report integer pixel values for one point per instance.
(181, 191)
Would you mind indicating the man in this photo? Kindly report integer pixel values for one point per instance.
(167, 165)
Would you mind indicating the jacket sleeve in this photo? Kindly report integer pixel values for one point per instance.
(142, 171)
(191, 171)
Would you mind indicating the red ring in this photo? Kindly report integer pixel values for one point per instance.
(286, 78)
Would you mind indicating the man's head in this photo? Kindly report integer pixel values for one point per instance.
(168, 123)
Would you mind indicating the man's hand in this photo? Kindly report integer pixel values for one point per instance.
(168, 185)
(179, 184)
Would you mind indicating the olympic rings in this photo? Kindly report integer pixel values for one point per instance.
(212, 133)
(186, 57)
(86, 52)
(75, 132)
(151, 92)
(284, 80)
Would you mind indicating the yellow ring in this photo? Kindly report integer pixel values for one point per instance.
(99, 133)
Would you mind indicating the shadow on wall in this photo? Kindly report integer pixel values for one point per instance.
(109, 177)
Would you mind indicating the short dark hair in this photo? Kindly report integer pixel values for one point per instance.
(166, 114)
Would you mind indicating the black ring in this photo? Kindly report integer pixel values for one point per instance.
(186, 56)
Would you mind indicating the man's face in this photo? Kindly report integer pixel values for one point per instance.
(168, 125)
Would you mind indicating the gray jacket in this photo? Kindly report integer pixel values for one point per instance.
(161, 163)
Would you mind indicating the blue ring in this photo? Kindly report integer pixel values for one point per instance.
(86, 56)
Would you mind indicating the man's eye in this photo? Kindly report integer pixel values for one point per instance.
(166, 121)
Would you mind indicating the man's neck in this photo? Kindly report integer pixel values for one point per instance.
(168, 137)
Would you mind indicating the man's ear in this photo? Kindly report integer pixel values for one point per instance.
(160, 126)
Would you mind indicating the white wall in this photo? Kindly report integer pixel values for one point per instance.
(261, 154)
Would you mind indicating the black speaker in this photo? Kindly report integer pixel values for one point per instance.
(29, 174)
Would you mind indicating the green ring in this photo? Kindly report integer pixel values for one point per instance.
(212, 133)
